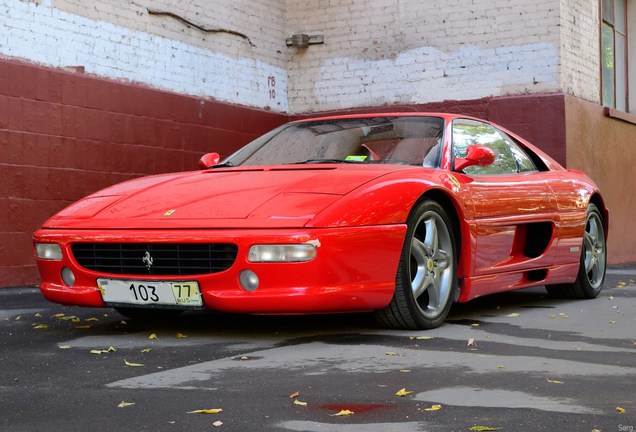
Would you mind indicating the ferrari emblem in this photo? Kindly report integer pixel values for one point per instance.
(147, 259)
(169, 213)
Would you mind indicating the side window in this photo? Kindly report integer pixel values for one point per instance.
(509, 157)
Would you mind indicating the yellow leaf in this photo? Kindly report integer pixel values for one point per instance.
(565, 316)
(620, 410)
(91, 319)
(342, 413)
(552, 316)
(514, 315)
(40, 326)
(554, 381)
(424, 337)
(181, 336)
(403, 392)
(123, 404)
(405, 370)
(297, 402)
(294, 395)
(111, 349)
(64, 346)
(59, 315)
(153, 336)
(38, 315)
(98, 351)
(500, 366)
(474, 325)
(610, 298)
(145, 350)
(127, 363)
(482, 428)
(122, 322)
(206, 411)
(391, 353)
(433, 408)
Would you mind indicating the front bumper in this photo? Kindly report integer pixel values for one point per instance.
(354, 269)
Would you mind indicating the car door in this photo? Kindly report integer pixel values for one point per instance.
(514, 209)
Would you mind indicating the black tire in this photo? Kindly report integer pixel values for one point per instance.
(589, 281)
(426, 281)
(148, 314)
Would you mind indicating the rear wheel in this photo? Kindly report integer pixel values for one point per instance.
(589, 281)
(426, 280)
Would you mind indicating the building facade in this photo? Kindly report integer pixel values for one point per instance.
(96, 92)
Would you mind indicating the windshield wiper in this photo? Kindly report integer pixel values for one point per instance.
(223, 165)
(321, 161)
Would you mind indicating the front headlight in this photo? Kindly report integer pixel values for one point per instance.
(282, 253)
(48, 251)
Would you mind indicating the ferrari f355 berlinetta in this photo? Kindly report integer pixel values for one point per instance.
(398, 214)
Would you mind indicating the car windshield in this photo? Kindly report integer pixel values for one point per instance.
(413, 140)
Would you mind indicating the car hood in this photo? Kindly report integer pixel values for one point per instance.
(286, 196)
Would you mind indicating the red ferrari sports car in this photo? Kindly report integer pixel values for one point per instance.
(400, 214)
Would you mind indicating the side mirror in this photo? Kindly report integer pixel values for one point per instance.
(475, 155)
(209, 160)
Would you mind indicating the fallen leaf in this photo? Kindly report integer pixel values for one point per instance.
(500, 366)
(424, 337)
(91, 319)
(471, 342)
(123, 404)
(612, 322)
(217, 423)
(552, 316)
(82, 327)
(433, 408)
(405, 370)
(403, 392)
(181, 336)
(38, 315)
(294, 395)
(342, 413)
(64, 346)
(482, 428)
(145, 350)
(297, 402)
(59, 315)
(18, 318)
(514, 315)
(206, 411)
(610, 298)
(391, 353)
(152, 336)
(122, 322)
(40, 326)
(244, 358)
(474, 325)
(562, 315)
(127, 363)
(554, 381)
(620, 410)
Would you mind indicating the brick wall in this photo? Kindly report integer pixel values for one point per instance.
(64, 135)
(385, 52)
(120, 40)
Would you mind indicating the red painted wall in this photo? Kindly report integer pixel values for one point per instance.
(64, 135)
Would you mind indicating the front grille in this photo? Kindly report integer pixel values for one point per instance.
(156, 258)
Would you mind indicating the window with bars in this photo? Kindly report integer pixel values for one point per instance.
(614, 60)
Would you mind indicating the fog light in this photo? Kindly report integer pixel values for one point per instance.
(48, 251)
(282, 253)
(68, 277)
(248, 279)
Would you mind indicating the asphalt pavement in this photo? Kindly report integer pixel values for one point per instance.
(518, 361)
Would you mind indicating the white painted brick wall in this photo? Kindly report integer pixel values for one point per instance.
(43, 33)
(375, 52)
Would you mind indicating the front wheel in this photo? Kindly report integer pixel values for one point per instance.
(589, 281)
(426, 281)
